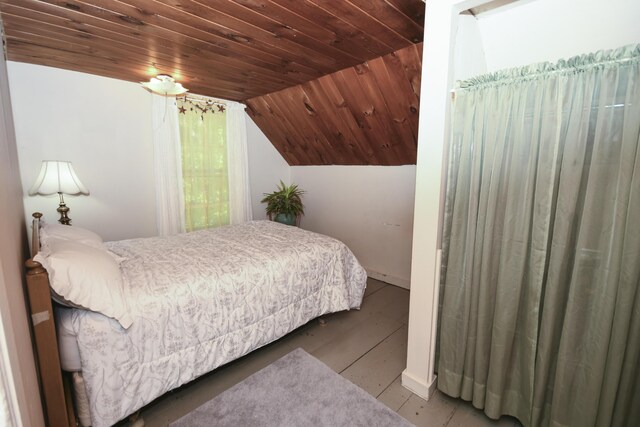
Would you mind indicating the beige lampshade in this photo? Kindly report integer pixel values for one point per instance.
(57, 177)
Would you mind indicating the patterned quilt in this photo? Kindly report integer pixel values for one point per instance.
(202, 299)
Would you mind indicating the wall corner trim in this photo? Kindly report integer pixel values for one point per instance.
(418, 386)
(388, 278)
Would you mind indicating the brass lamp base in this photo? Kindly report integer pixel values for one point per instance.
(63, 209)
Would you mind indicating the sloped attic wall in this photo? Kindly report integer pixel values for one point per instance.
(362, 115)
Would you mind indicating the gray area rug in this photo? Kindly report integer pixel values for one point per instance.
(296, 390)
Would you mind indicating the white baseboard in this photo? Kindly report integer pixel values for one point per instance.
(394, 280)
(417, 386)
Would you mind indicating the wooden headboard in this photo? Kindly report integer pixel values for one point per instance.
(56, 392)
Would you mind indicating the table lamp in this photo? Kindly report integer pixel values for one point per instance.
(58, 177)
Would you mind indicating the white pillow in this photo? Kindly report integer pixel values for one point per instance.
(87, 276)
(67, 232)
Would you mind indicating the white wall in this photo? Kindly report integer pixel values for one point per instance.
(549, 30)
(370, 208)
(266, 167)
(16, 354)
(103, 126)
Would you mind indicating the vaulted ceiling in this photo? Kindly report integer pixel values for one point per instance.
(340, 76)
(363, 115)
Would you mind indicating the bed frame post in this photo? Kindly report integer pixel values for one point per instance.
(55, 404)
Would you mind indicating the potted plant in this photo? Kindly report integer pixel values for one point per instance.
(285, 204)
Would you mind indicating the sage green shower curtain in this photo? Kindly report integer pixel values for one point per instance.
(540, 301)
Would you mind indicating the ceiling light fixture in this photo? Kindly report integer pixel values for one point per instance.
(165, 85)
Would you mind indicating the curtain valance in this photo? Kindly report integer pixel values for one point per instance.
(575, 65)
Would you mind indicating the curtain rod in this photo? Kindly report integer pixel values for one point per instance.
(207, 99)
(202, 98)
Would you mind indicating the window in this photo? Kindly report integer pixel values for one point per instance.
(203, 140)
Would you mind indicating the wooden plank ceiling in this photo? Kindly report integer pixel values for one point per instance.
(328, 81)
(231, 49)
(362, 115)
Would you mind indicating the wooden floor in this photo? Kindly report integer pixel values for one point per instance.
(368, 347)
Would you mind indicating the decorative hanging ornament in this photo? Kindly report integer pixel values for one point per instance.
(164, 85)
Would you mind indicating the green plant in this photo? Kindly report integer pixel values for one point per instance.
(285, 200)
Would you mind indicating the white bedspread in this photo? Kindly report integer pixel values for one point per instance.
(202, 299)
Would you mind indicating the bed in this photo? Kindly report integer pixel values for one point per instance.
(194, 301)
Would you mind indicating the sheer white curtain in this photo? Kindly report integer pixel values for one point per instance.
(170, 204)
(167, 166)
(239, 192)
